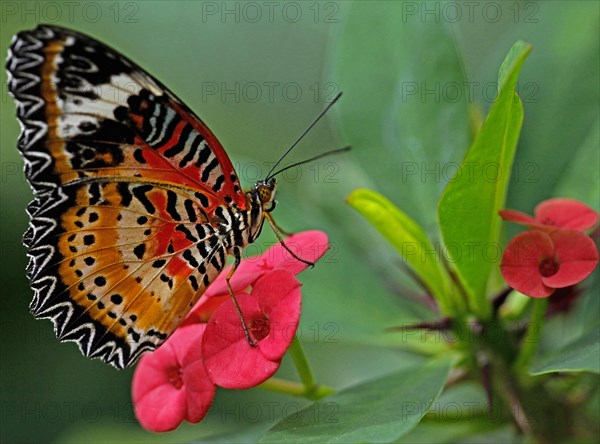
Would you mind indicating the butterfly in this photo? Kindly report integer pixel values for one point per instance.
(136, 203)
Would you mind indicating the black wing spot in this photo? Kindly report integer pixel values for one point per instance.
(194, 282)
(140, 193)
(116, 299)
(218, 183)
(171, 205)
(123, 190)
(202, 198)
(208, 169)
(139, 251)
(139, 155)
(159, 263)
(189, 208)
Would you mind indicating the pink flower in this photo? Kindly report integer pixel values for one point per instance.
(536, 263)
(171, 384)
(555, 213)
(177, 381)
(308, 245)
(272, 313)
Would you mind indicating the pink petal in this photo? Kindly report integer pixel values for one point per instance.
(566, 213)
(228, 357)
(280, 299)
(204, 309)
(200, 390)
(308, 245)
(517, 217)
(159, 405)
(249, 270)
(161, 409)
(577, 256)
(152, 371)
(520, 262)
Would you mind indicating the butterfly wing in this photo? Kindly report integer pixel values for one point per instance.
(126, 180)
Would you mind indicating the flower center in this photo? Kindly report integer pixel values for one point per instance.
(547, 221)
(175, 377)
(548, 267)
(260, 329)
(265, 265)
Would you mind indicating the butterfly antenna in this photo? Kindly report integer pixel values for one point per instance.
(325, 154)
(314, 122)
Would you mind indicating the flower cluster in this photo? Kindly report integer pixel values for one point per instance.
(178, 381)
(555, 252)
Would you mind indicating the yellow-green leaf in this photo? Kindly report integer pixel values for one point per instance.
(409, 239)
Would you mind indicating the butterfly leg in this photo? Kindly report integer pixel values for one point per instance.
(282, 231)
(278, 232)
(235, 302)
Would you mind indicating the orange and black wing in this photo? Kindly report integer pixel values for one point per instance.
(126, 180)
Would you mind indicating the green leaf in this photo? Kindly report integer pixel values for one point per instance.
(380, 410)
(408, 238)
(579, 356)
(404, 108)
(468, 209)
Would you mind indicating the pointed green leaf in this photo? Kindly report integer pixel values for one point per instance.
(408, 238)
(381, 410)
(468, 209)
(579, 356)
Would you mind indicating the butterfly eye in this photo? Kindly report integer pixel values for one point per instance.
(264, 193)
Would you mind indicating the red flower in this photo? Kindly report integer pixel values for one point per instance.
(555, 213)
(308, 245)
(171, 384)
(271, 312)
(175, 382)
(535, 262)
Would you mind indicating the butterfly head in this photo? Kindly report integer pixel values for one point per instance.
(264, 193)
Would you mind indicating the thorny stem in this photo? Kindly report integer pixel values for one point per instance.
(309, 388)
(533, 334)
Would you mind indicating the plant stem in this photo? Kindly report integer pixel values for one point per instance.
(295, 389)
(309, 388)
(532, 336)
(301, 363)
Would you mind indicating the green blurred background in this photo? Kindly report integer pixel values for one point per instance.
(257, 73)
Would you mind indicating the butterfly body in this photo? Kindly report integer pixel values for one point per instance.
(136, 205)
